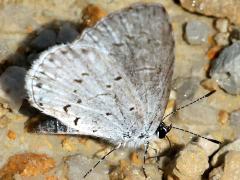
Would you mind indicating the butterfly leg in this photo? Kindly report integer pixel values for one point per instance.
(145, 158)
(157, 157)
(102, 158)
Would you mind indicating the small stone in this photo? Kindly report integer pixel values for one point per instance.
(235, 118)
(158, 146)
(218, 158)
(185, 88)
(213, 52)
(235, 121)
(200, 113)
(153, 172)
(70, 144)
(225, 69)
(222, 38)
(27, 164)
(209, 84)
(216, 173)
(218, 8)
(222, 25)
(191, 163)
(79, 165)
(127, 171)
(135, 159)
(11, 135)
(91, 14)
(232, 166)
(196, 32)
(67, 33)
(223, 117)
(45, 39)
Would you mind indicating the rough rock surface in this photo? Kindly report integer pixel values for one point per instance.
(226, 69)
(218, 8)
(22, 23)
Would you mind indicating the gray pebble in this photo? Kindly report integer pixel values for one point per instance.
(235, 118)
(225, 69)
(45, 39)
(185, 88)
(196, 32)
(66, 34)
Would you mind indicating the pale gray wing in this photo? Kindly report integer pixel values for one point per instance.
(114, 81)
(140, 39)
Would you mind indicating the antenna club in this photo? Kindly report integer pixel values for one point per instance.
(210, 93)
(195, 134)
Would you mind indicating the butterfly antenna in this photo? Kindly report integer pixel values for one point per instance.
(174, 111)
(209, 139)
(182, 107)
(114, 149)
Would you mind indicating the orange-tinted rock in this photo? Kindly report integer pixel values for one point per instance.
(91, 14)
(11, 135)
(213, 52)
(27, 164)
(223, 117)
(135, 159)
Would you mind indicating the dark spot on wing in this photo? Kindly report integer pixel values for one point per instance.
(108, 113)
(65, 108)
(131, 109)
(51, 59)
(118, 44)
(39, 85)
(118, 78)
(75, 91)
(94, 131)
(85, 51)
(40, 104)
(108, 86)
(85, 74)
(78, 81)
(79, 101)
(76, 120)
(141, 136)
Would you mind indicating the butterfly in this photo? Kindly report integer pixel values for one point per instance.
(113, 82)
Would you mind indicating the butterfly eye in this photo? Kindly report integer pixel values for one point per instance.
(162, 130)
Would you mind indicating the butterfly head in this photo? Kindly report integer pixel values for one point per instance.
(162, 130)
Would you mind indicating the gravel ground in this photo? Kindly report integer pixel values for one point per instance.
(28, 27)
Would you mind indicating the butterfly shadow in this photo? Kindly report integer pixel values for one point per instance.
(15, 66)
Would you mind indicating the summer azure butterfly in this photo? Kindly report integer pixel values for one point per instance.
(114, 81)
